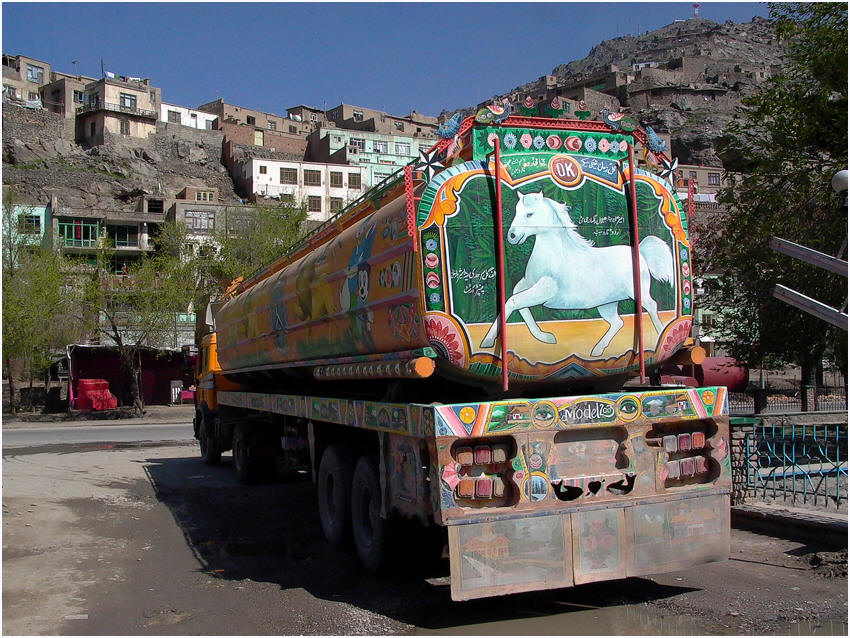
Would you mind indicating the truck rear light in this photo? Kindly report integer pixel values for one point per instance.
(482, 472)
(698, 440)
(685, 442)
(687, 466)
(673, 469)
(670, 444)
(700, 465)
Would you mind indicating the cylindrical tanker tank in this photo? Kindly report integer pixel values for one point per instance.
(419, 275)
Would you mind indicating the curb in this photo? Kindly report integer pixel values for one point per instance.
(799, 527)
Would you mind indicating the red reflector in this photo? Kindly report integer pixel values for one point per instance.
(698, 439)
(685, 442)
(482, 454)
(464, 455)
(466, 488)
(484, 488)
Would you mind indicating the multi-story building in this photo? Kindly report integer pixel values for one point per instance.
(303, 120)
(381, 154)
(118, 108)
(200, 211)
(65, 94)
(173, 114)
(23, 76)
(363, 119)
(324, 188)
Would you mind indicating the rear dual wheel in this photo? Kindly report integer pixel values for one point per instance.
(334, 485)
(210, 453)
(371, 532)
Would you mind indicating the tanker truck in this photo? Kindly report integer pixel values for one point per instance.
(467, 347)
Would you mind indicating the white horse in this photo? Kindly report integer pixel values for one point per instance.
(566, 272)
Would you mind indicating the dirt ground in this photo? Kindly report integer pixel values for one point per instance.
(125, 539)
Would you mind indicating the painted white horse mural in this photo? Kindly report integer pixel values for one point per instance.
(566, 272)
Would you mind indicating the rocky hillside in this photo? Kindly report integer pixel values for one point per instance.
(41, 158)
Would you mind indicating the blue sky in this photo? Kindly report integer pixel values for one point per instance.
(390, 56)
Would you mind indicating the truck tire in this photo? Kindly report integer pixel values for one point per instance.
(334, 496)
(209, 450)
(371, 532)
(247, 472)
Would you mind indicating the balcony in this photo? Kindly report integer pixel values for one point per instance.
(117, 108)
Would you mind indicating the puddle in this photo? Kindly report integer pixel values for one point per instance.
(602, 621)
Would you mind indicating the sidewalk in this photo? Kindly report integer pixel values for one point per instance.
(829, 528)
(153, 414)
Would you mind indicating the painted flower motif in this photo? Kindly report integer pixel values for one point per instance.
(590, 144)
(553, 142)
(708, 397)
(491, 139)
(444, 337)
(539, 142)
(624, 146)
(686, 269)
(431, 244)
(450, 476)
(604, 145)
(510, 140)
(525, 140)
(676, 334)
(434, 298)
(535, 461)
(467, 415)
(686, 287)
(686, 303)
(683, 253)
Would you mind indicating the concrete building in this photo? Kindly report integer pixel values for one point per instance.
(118, 108)
(65, 95)
(324, 188)
(173, 114)
(202, 216)
(23, 76)
(381, 154)
(360, 118)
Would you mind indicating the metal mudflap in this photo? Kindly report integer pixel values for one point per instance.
(547, 551)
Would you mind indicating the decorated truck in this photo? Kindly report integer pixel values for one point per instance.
(469, 346)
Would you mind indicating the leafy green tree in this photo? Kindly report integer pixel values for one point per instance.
(786, 144)
(38, 307)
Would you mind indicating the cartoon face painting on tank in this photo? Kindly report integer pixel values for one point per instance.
(569, 274)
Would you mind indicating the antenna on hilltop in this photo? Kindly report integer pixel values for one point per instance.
(696, 9)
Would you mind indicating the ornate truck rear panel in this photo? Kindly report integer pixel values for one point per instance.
(568, 262)
(553, 492)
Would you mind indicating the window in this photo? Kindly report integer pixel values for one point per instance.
(156, 206)
(272, 125)
(358, 143)
(33, 96)
(127, 101)
(258, 138)
(313, 117)
(312, 178)
(174, 117)
(91, 129)
(29, 224)
(358, 116)
(289, 176)
(204, 196)
(126, 236)
(79, 97)
(35, 74)
(692, 174)
(250, 119)
(402, 148)
(125, 127)
(287, 198)
(399, 125)
(209, 124)
(714, 179)
(314, 204)
(200, 221)
(194, 116)
(153, 97)
(336, 205)
(336, 179)
(380, 177)
(292, 129)
(263, 170)
(79, 232)
(94, 99)
(354, 180)
(379, 147)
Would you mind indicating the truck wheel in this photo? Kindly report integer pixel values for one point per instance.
(334, 483)
(209, 450)
(371, 533)
(246, 471)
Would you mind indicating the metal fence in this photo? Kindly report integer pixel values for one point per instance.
(828, 399)
(800, 465)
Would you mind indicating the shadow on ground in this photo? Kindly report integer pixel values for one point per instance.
(271, 533)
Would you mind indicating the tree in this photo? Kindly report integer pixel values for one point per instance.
(788, 142)
(38, 307)
(242, 242)
(137, 309)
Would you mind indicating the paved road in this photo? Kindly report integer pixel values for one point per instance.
(63, 435)
(143, 539)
